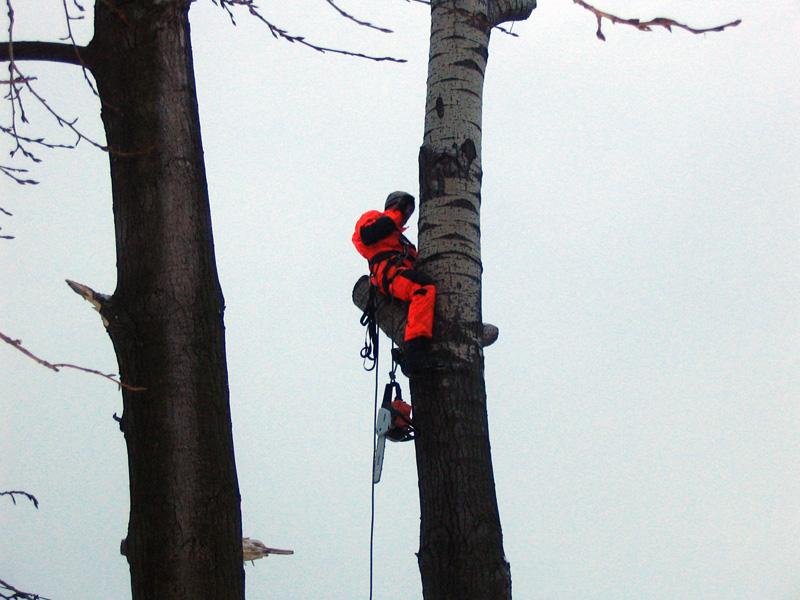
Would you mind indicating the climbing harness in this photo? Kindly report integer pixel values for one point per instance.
(394, 259)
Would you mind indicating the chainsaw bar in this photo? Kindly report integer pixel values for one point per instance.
(382, 425)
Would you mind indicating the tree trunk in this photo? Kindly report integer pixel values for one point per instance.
(166, 315)
(461, 547)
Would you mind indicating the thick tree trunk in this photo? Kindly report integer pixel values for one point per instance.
(461, 548)
(166, 315)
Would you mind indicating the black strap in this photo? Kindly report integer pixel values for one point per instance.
(392, 389)
(369, 352)
(381, 256)
(393, 258)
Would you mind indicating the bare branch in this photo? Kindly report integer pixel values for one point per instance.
(355, 20)
(279, 33)
(9, 592)
(664, 22)
(11, 172)
(502, 29)
(68, 19)
(58, 366)
(66, 123)
(37, 141)
(18, 83)
(15, 79)
(41, 51)
(12, 493)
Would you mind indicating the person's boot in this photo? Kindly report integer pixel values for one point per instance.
(416, 354)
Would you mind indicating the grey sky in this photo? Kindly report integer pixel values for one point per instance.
(640, 243)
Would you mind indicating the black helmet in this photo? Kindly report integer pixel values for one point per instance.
(401, 201)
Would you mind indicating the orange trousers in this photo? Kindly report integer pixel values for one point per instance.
(418, 290)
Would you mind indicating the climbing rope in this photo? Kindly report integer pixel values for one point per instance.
(393, 384)
(370, 355)
(374, 449)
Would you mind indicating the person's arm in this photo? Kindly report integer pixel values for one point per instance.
(381, 227)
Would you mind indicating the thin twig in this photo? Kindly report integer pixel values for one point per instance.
(280, 33)
(11, 172)
(502, 29)
(62, 122)
(664, 22)
(16, 594)
(58, 366)
(12, 493)
(68, 18)
(18, 83)
(13, 95)
(37, 141)
(355, 20)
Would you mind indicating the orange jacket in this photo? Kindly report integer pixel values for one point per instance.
(378, 233)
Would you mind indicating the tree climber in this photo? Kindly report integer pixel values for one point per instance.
(379, 238)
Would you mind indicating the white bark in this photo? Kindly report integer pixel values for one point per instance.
(461, 547)
(451, 171)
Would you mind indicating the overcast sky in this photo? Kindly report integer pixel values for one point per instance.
(641, 211)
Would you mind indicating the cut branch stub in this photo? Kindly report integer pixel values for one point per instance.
(503, 11)
(96, 299)
(255, 549)
(391, 314)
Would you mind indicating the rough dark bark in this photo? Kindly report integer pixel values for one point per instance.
(461, 545)
(165, 317)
